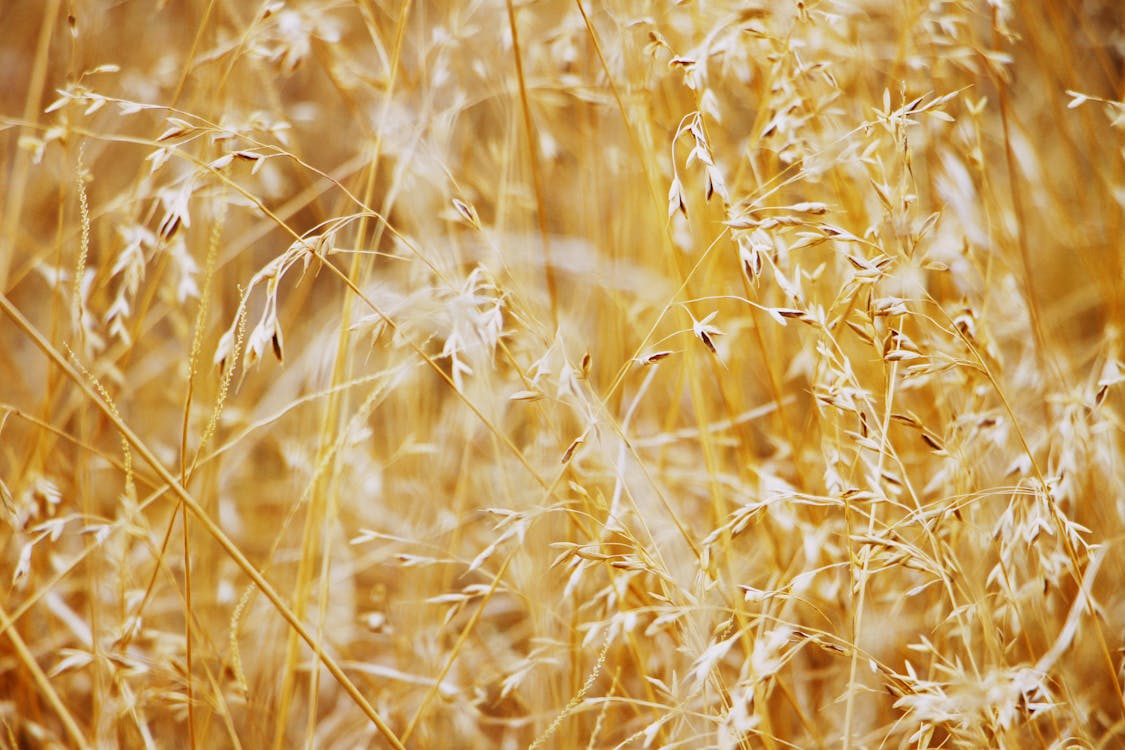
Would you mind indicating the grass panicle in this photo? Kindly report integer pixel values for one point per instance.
(562, 374)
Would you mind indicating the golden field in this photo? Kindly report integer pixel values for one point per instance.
(544, 374)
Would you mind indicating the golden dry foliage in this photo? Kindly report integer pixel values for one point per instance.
(562, 374)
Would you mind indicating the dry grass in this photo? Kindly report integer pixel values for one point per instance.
(558, 374)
